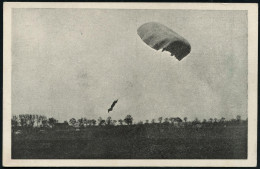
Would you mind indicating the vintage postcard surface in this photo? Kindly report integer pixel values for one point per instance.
(130, 84)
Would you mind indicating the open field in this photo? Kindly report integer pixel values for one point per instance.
(134, 142)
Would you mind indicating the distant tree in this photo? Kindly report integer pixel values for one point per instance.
(146, 121)
(27, 120)
(222, 120)
(215, 120)
(52, 121)
(171, 119)
(128, 120)
(44, 123)
(114, 122)
(65, 122)
(22, 120)
(38, 120)
(81, 122)
(177, 119)
(166, 120)
(31, 120)
(120, 121)
(73, 121)
(14, 121)
(153, 121)
(93, 121)
(238, 118)
(89, 122)
(109, 121)
(196, 121)
(204, 121)
(84, 121)
(210, 120)
(101, 121)
(160, 119)
(185, 119)
(42, 120)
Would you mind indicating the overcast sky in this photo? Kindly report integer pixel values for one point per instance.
(75, 62)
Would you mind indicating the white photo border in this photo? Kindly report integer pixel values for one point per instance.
(252, 9)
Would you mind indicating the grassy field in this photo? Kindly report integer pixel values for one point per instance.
(134, 142)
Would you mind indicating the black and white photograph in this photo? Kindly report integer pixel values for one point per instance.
(142, 83)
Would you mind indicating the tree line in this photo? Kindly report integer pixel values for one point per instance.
(30, 120)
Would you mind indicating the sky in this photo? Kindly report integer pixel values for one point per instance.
(75, 62)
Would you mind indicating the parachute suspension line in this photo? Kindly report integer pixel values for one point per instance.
(127, 89)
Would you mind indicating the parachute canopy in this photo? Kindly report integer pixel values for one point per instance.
(159, 37)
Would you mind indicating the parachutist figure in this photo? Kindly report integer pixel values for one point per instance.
(112, 106)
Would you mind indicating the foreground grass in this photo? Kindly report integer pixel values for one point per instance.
(134, 142)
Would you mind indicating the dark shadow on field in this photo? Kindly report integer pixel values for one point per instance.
(134, 142)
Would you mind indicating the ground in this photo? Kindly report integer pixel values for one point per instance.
(134, 142)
